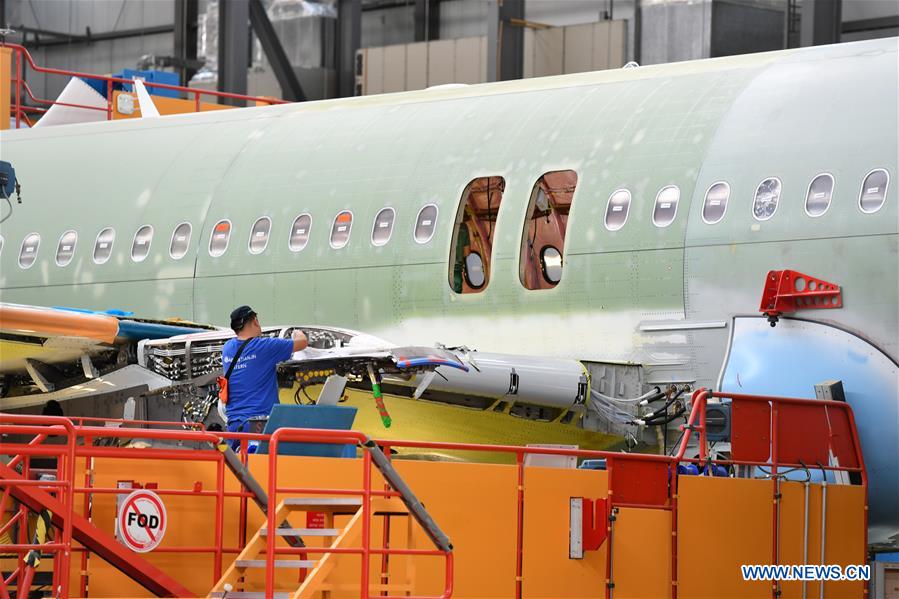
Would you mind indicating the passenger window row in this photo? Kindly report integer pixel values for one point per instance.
(543, 238)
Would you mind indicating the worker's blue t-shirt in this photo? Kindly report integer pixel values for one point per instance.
(253, 384)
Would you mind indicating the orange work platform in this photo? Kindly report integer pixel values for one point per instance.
(373, 526)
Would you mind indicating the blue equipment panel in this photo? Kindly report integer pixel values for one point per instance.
(320, 417)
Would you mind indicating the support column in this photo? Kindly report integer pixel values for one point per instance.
(427, 20)
(505, 41)
(822, 22)
(349, 36)
(186, 14)
(234, 47)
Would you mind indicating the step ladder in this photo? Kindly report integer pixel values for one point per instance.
(314, 585)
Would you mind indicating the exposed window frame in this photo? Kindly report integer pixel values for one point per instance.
(190, 232)
(97, 241)
(861, 190)
(374, 225)
(134, 240)
(605, 215)
(227, 240)
(37, 248)
(833, 184)
(656, 204)
(434, 230)
(726, 203)
(348, 233)
(293, 224)
(755, 193)
(250, 238)
(59, 243)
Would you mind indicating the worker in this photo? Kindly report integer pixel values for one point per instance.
(252, 387)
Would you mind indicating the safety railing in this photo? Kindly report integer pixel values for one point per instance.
(62, 486)
(758, 440)
(444, 549)
(634, 480)
(21, 91)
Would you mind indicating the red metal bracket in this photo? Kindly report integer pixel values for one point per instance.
(790, 291)
(594, 524)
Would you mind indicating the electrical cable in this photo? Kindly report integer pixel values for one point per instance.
(653, 392)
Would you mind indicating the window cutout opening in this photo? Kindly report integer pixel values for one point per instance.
(65, 251)
(259, 235)
(340, 230)
(715, 204)
(180, 241)
(874, 191)
(473, 234)
(819, 195)
(103, 245)
(140, 247)
(551, 264)
(425, 224)
(617, 209)
(382, 228)
(543, 238)
(767, 197)
(28, 253)
(299, 233)
(221, 235)
(666, 206)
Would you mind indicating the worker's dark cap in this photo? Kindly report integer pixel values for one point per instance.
(240, 316)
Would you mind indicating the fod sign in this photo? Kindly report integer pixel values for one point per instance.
(142, 521)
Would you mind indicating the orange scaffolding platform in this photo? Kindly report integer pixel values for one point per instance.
(649, 529)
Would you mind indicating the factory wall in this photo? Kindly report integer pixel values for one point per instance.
(74, 16)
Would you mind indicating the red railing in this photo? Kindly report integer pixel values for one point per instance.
(634, 480)
(62, 487)
(760, 421)
(20, 88)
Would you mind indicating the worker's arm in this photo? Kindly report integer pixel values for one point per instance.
(299, 340)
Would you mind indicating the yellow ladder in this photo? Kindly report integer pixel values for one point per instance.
(254, 554)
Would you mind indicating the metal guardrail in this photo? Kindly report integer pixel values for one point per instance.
(20, 110)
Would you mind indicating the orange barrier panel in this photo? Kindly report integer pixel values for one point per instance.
(722, 523)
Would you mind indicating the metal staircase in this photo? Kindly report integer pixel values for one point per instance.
(313, 573)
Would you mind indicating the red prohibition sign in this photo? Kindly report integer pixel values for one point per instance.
(142, 521)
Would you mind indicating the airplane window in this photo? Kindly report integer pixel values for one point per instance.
(180, 241)
(28, 253)
(66, 248)
(820, 192)
(340, 230)
(617, 209)
(666, 206)
(103, 245)
(259, 235)
(551, 264)
(140, 247)
(221, 235)
(473, 234)
(299, 233)
(767, 196)
(475, 277)
(426, 224)
(874, 191)
(383, 227)
(543, 238)
(715, 204)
